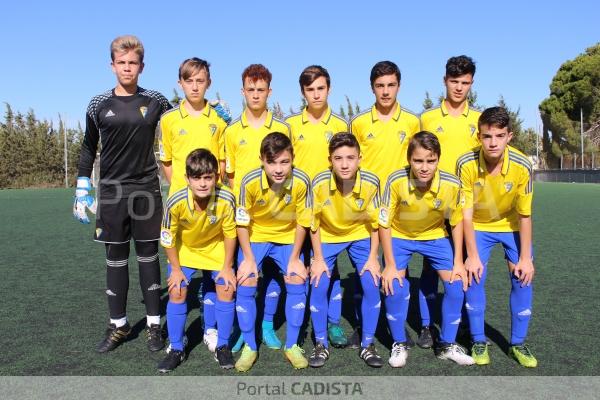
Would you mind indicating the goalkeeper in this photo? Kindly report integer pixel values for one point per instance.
(124, 120)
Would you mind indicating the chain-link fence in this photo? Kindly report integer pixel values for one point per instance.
(568, 175)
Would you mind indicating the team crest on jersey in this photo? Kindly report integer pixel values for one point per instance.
(401, 136)
(327, 203)
(437, 203)
(359, 202)
(144, 111)
(261, 202)
(301, 137)
(98, 232)
(439, 129)
(166, 238)
(404, 203)
(241, 216)
(370, 136)
(383, 215)
(287, 198)
(508, 186)
(328, 136)
(243, 142)
(213, 129)
(212, 219)
(182, 132)
(473, 129)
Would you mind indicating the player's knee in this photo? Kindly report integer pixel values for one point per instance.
(249, 282)
(146, 249)
(295, 280)
(177, 296)
(224, 294)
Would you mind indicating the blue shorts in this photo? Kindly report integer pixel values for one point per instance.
(189, 273)
(510, 242)
(279, 253)
(358, 252)
(438, 252)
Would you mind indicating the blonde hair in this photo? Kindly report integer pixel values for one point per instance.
(127, 43)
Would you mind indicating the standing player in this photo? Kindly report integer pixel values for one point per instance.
(242, 153)
(274, 210)
(385, 129)
(454, 123)
(311, 132)
(193, 124)
(498, 189)
(346, 204)
(124, 119)
(198, 233)
(416, 201)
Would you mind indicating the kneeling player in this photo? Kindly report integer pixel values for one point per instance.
(415, 202)
(346, 203)
(498, 190)
(198, 233)
(272, 216)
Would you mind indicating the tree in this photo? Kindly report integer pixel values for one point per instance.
(343, 113)
(427, 102)
(574, 88)
(176, 99)
(350, 109)
(524, 140)
(277, 111)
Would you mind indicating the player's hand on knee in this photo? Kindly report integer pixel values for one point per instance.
(474, 269)
(387, 279)
(372, 266)
(524, 270)
(317, 269)
(221, 110)
(296, 267)
(174, 280)
(246, 269)
(83, 200)
(459, 272)
(228, 277)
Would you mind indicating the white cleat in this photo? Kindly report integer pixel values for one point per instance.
(456, 353)
(210, 339)
(398, 355)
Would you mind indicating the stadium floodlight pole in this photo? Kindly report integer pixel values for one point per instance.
(581, 128)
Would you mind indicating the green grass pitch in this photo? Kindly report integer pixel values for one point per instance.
(54, 308)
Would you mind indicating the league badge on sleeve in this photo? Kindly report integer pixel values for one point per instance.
(383, 216)
(241, 216)
(166, 238)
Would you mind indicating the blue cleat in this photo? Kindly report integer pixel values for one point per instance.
(269, 337)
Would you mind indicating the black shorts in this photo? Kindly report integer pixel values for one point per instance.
(136, 213)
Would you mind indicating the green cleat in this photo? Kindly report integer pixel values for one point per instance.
(337, 336)
(269, 337)
(523, 355)
(295, 356)
(480, 353)
(246, 360)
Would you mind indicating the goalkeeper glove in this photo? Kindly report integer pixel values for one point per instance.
(221, 110)
(83, 199)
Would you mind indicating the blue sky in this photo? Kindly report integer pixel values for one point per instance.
(56, 57)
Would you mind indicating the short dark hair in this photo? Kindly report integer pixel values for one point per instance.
(343, 139)
(311, 74)
(193, 65)
(426, 140)
(460, 65)
(274, 144)
(201, 162)
(384, 68)
(495, 116)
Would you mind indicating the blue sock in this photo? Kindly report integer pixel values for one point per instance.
(396, 307)
(428, 284)
(319, 310)
(334, 311)
(475, 305)
(225, 311)
(271, 299)
(245, 307)
(520, 307)
(295, 304)
(209, 299)
(451, 310)
(370, 307)
(357, 300)
(176, 316)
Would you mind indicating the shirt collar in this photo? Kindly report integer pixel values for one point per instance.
(268, 119)
(287, 185)
(444, 108)
(505, 161)
(395, 117)
(184, 112)
(435, 182)
(212, 203)
(357, 182)
(324, 119)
